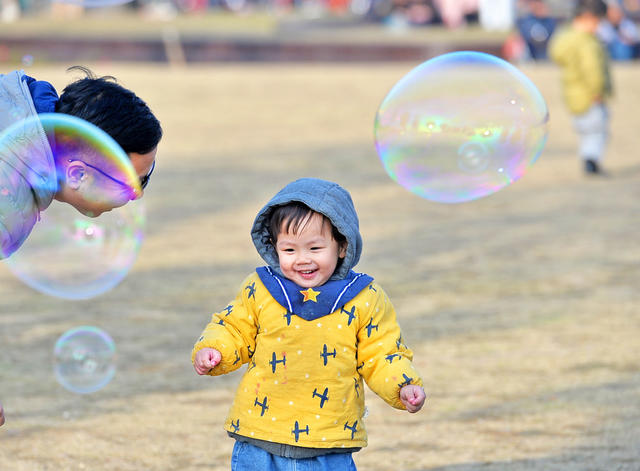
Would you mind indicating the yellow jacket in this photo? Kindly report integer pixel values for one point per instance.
(304, 382)
(585, 68)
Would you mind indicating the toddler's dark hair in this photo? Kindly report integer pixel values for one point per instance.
(114, 109)
(596, 7)
(292, 217)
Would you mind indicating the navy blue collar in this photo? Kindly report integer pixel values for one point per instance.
(313, 303)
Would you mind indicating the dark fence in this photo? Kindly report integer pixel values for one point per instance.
(199, 50)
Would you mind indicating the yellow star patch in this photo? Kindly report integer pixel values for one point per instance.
(309, 295)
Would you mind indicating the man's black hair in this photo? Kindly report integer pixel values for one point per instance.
(595, 7)
(114, 109)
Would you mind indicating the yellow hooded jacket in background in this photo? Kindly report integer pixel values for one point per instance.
(585, 68)
(304, 382)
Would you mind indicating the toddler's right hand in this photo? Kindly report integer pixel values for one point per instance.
(206, 359)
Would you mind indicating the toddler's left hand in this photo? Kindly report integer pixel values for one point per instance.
(413, 397)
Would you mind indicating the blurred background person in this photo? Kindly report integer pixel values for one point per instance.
(535, 26)
(632, 7)
(421, 12)
(497, 15)
(414, 12)
(619, 33)
(455, 13)
(9, 11)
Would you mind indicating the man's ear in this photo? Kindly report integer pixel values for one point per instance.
(76, 174)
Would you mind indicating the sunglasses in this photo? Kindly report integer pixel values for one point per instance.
(144, 181)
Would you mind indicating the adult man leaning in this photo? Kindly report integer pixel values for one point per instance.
(30, 181)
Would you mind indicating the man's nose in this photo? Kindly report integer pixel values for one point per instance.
(136, 195)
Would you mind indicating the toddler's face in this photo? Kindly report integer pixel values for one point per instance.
(309, 257)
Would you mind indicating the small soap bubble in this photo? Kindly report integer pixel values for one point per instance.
(72, 252)
(473, 157)
(84, 359)
(27, 60)
(460, 126)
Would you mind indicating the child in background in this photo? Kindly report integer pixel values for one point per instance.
(310, 329)
(585, 79)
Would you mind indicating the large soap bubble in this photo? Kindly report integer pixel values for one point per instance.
(460, 126)
(69, 254)
(84, 359)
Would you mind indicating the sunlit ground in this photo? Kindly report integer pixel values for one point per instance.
(522, 307)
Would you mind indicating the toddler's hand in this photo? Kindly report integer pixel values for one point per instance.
(206, 359)
(413, 397)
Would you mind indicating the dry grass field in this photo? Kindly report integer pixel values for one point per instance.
(522, 308)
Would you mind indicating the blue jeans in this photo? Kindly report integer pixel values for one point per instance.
(247, 457)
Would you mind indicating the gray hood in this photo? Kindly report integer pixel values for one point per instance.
(20, 129)
(324, 197)
(27, 180)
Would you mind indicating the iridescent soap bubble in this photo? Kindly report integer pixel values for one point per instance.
(460, 126)
(69, 254)
(27, 60)
(84, 359)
